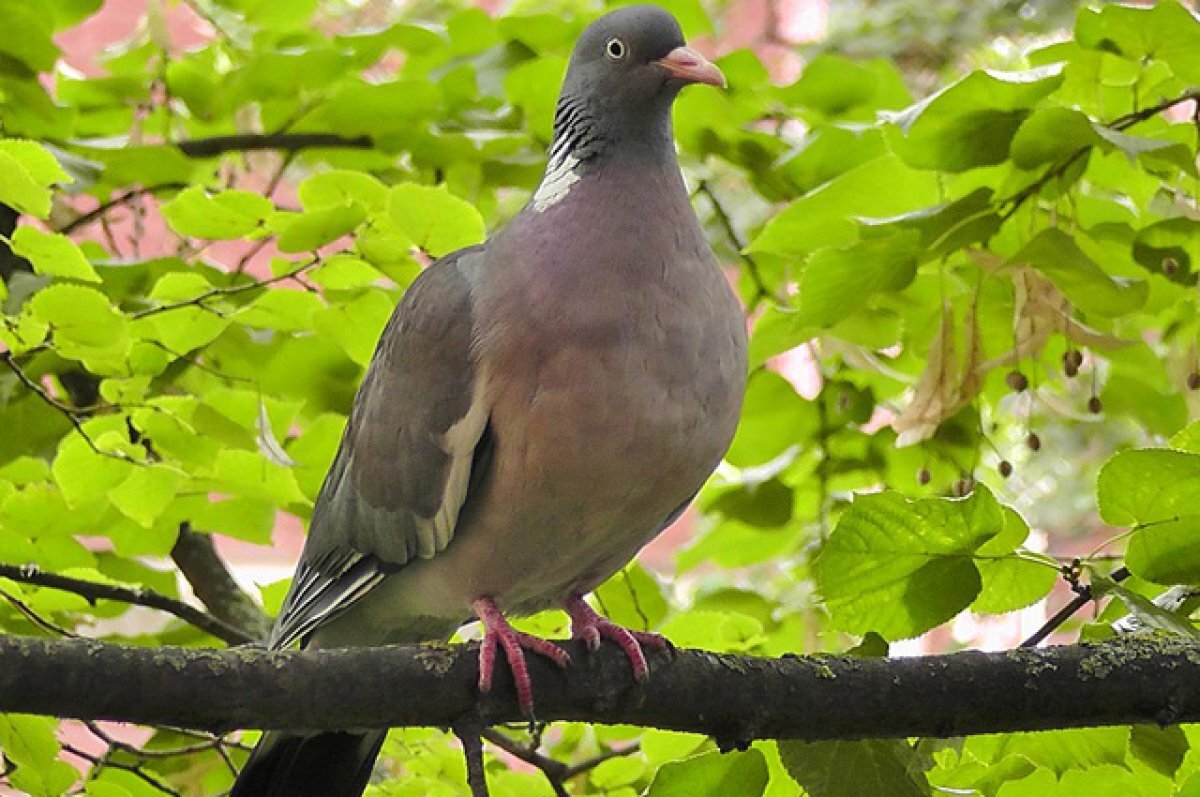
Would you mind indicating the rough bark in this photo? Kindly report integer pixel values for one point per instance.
(1136, 679)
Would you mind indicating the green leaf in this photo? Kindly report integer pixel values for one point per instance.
(434, 219)
(226, 215)
(53, 254)
(83, 322)
(1062, 751)
(341, 187)
(344, 272)
(29, 743)
(315, 228)
(281, 308)
(971, 122)
(1147, 486)
(1167, 551)
(1050, 136)
(880, 187)
(180, 286)
(41, 166)
(943, 228)
(1161, 748)
(248, 474)
(19, 190)
(884, 264)
(1012, 582)
(712, 775)
(1166, 31)
(1057, 255)
(774, 419)
(901, 567)
(633, 598)
(868, 768)
(356, 326)
(146, 493)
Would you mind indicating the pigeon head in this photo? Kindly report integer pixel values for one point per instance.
(636, 55)
(627, 68)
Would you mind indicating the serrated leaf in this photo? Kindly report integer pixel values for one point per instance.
(315, 228)
(146, 493)
(19, 190)
(433, 218)
(774, 419)
(38, 162)
(713, 774)
(281, 308)
(1147, 486)
(53, 254)
(633, 598)
(1150, 615)
(868, 768)
(226, 215)
(341, 187)
(901, 567)
(868, 267)
(179, 286)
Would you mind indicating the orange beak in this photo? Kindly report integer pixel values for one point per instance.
(684, 63)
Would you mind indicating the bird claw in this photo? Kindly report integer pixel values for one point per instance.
(589, 626)
(498, 633)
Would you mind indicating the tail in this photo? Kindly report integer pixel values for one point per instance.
(326, 765)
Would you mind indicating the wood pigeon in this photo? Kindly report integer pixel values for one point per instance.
(539, 407)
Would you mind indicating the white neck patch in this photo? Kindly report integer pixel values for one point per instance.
(556, 183)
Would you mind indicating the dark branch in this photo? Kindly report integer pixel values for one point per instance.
(214, 585)
(287, 142)
(1083, 596)
(93, 591)
(1119, 124)
(1134, 679)
(120, 199)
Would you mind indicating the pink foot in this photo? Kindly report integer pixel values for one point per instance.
(497, 630)
(591, 628)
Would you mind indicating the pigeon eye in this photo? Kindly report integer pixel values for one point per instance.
(615, 49)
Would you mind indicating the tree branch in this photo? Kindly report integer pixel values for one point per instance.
(94, 591)
(287, 142)
(1134, 679)
(214, 585)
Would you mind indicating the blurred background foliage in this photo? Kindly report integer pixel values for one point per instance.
(966, 237)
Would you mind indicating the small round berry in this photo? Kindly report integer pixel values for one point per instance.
(1005, 468)
(1033, 442)
(1017, 382)
(1095, 406)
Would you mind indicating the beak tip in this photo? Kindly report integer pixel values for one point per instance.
(688, 65)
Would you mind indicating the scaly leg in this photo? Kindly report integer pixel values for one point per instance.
(498, 631)
(589, 626)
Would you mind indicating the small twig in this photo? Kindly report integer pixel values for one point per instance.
(1083, 596)
(761, 291)
(75, 416)
(35, 618)
(117, 201)
(595, 761)
(232, 290)
(93, 591)
(555, 771)
(133, 769)
(468, 732)
(288, 142)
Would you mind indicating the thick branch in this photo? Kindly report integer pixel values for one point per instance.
(1135, 679)
(287, 142)
(94, 591)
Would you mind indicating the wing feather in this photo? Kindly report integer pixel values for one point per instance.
(403, 469)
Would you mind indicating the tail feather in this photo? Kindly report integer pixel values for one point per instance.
(326, 765)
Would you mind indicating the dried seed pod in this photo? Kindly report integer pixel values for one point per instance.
(1033, 442)
(923, 476)
(1017, 382)
(1005, 468)
(1095, 406)
(964, 486)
